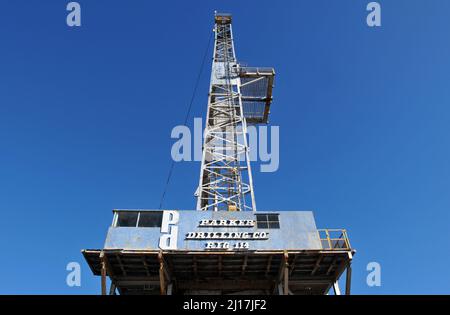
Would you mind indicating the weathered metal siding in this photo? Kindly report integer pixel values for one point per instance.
(297, 231)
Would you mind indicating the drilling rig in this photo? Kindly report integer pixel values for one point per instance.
(237, 96)
(226, 246)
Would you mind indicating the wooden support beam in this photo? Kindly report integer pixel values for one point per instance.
(282, 283)
(109, 269)
(244, 265)
(292, 266)
(103, 273)
(317, 265)
(348, 279)
(150, 283)
(269, 264)
(112, 289)
(279, 279)
(195, 266)
(162, 280)
(340, 268)
(225, 284)
(165, 269)
(121, 265)
(332, 265)
(147, 271)
(286, 274)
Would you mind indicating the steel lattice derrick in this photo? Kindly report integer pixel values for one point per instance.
(225, 178)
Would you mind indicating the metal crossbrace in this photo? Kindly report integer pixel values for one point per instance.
(225, 176)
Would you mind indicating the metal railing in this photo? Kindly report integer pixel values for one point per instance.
(334, 239)
(256, 70)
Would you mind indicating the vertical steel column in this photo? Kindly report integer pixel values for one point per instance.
(336, 289)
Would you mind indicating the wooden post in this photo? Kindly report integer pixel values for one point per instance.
(103, 272)
(348, 279)
(286, 274)
(162, 282)
(112, 289)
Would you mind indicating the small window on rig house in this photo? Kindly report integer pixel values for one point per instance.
(127, 219)
(150, 219)
(267, 221)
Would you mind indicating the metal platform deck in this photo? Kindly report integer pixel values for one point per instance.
(197, 272)
(256, 90)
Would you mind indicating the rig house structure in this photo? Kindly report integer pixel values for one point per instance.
(226, 246)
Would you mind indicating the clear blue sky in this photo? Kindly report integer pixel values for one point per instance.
(86, 116)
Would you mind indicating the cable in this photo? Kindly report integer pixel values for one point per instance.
(187, 116)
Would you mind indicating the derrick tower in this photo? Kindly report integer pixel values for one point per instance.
(230, 249)
(238, 96)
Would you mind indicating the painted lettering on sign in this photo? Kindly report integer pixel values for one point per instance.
(227, 235)
(226, 245)
(169, 230)
(219, 239)
(227, 223)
